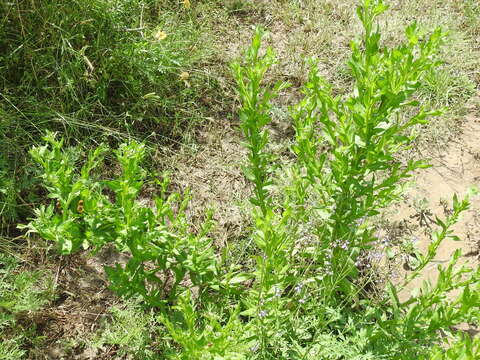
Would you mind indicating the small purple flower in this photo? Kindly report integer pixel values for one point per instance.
(262, 314)
(377, 256)
(298, 288)
(360, 221)
(385, 241)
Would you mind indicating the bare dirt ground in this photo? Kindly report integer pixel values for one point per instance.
(216, 181)
(455, 169)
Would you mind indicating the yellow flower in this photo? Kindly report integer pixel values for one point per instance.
(184, 77)
(80, 207)
(186, 4)
(160, 35)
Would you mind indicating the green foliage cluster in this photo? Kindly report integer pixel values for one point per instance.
(20, 293)
(309, 294)
(107, 68)
(164, 252)
(130, 329)
(313, 233)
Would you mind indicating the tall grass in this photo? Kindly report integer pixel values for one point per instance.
(96, 71)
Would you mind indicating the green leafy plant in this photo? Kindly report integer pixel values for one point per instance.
(463, 347)
(208, 336)
(163, 251)
(313, 231)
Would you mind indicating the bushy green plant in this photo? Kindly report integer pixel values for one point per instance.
(313, 232)
(164, 252)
